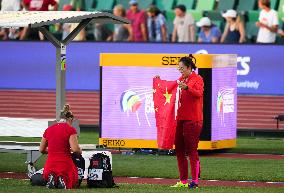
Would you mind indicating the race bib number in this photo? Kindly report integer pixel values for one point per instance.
(95, 174)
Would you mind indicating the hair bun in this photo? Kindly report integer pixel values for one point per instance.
(66, 112)
(192, 58)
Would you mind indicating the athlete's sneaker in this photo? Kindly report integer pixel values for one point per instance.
(180, 185)
(193, 185)
(61, 184)
(31, 170)
(51, 181)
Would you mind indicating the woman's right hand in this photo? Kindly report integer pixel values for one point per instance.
(157, 76)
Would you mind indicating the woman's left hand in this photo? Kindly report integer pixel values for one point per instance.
(182, 85)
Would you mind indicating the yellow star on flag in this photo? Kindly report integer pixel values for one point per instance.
(168, 97)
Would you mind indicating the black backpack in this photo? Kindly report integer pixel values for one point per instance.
(79, 161)
(99, 172)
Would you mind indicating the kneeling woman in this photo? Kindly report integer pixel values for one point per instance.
(58, 141)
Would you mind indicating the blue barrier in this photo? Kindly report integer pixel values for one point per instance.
(31, 65)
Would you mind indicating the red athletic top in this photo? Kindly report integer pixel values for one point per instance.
(39, 5)
(59, 161)
(191, 100)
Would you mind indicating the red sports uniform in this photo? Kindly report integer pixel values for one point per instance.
(189, 126)
(59, 161)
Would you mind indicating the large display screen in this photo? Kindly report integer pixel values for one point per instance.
(224, 104)
(127, 101)
(127, 98)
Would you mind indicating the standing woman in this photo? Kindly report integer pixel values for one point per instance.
(234, 31)
(189, 122)
(122, 32)
(58, 141)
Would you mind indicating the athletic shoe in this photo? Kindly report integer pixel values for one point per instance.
(193, 185)
(51, 181)
(180, 185)
(61, 184)
(31, 170)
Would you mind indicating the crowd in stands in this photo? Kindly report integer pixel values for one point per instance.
(208, 21)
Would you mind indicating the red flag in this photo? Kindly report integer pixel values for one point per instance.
(165, 96)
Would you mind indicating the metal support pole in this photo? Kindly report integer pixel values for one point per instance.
(60, 79)
(61, 62)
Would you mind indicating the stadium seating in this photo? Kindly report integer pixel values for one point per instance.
(224, 5)
(246, 5)
(165, 5)
(205, 5)
(251, 31)
(188, 3)
(253, 15)
(170, 16)
(89, 4)
(202, 6)
(214, 15)
(281, 10)
(144, 4)
(274, 4)
(124, 3)
(103, 5)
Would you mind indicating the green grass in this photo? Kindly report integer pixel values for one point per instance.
(89, 137)
(244, 145)
(166, 167)
(15, 186)
(212, 168)
(20, 139)
(259, 145)
(86, 137)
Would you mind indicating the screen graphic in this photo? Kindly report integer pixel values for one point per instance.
(127, 101)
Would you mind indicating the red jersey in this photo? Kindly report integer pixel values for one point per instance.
(191, 100)
(59, 159)
(39, 5)
(137, 19)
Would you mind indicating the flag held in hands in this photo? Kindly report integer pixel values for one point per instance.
(165, 96)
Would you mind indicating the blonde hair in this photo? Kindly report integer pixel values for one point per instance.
(121, 9)
(66, 112)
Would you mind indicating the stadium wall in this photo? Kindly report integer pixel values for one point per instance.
(31, 65)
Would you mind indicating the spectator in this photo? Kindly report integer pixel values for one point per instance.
(138, 21)
(36, 5)
(156, 24)
(209, 33)
(234, 31)
(122, 32)
(102, 32)
(184, 30)
(39, 5)
(267, 23)
(10, 5)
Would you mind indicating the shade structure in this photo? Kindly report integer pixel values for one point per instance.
(37, 19)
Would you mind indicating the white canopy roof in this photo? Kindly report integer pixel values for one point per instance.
(41, 18)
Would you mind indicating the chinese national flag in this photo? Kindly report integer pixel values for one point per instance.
(165, 96)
